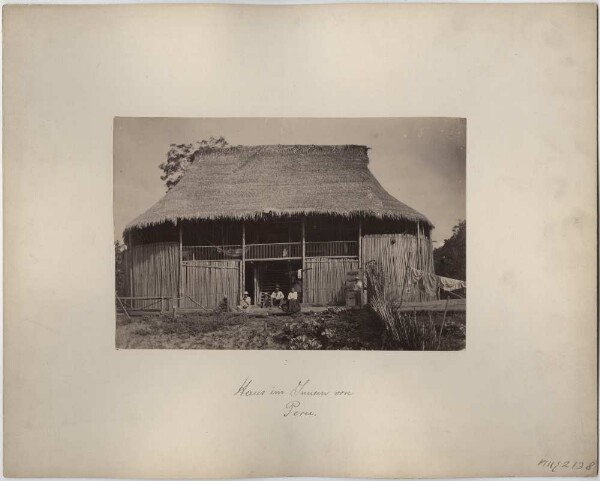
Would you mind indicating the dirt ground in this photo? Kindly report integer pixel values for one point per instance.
(332, 329)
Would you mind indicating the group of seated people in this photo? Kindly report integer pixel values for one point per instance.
(276, 299)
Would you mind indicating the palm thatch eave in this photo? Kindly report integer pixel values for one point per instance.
(275, 214)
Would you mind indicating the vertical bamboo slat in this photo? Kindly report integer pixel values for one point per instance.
(325, 278)
(209, 282)
(303, 246)
(243, 265)
(130, 257)
(158, 271)
(181, 291)
(128, 281)
(155, 270)
(395, 253)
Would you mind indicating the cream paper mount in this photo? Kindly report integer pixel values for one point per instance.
(520, 400)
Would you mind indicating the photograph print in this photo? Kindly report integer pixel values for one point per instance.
(302, 234)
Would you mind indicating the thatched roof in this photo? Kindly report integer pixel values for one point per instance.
(247, 182)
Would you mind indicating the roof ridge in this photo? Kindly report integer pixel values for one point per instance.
(286, 148)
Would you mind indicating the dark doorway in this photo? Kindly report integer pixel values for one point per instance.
(264, 276)
(249, 284)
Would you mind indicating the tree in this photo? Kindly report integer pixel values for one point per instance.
(450, 260)
(119, 268)
(181, 156)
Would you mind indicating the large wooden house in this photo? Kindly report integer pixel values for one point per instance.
(249, 217)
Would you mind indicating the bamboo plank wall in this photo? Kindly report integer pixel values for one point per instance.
(395, 252)
(154, 270)
(209, 282)
(324, 280)
(126, 264)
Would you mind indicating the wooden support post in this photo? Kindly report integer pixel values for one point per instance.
(360, 264)
(243, 266)
(303, 298)
(255, 285)
(360, 243)
(180, 262)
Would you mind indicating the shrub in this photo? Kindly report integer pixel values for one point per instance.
(307, 333)
(142, 331)
(407, 331)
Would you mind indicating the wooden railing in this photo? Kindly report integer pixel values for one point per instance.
(281, 250)
(142, 303)
(211, 253)
(332, 249)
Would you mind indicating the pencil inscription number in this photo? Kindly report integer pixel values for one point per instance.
(554, 466)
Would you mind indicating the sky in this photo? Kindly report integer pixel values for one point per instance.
(420, 161)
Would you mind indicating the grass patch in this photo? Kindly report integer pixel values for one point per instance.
(328, 330)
